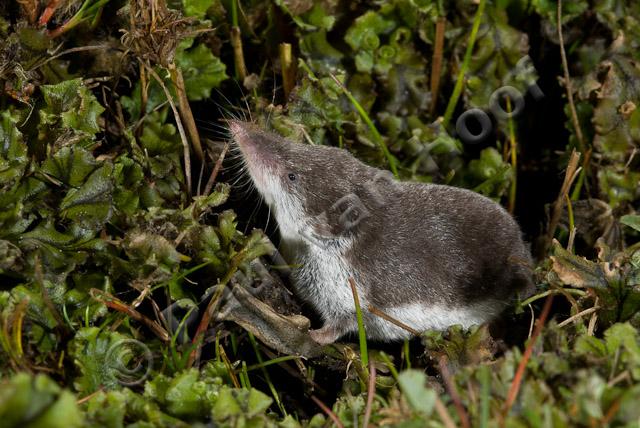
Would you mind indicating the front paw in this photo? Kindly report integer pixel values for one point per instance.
(324, 336)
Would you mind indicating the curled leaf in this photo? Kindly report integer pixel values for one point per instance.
(577, 271)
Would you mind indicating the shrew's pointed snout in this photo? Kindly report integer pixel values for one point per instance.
(239, 131)
(246, 137)
(255, 142)
(257, 148)
(250, 137)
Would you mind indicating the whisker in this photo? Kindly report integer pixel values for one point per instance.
(244, 98)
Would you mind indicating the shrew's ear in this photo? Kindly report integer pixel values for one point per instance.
(340, 220)
(344, 216)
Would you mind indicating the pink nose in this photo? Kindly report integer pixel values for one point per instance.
(237, 128)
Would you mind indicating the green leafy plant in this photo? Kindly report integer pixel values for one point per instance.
(125, 234)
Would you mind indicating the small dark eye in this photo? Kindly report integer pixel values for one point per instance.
(292, 177)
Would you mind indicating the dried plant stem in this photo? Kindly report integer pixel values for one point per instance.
(328, 411)
(377, 312)
(453, 392)
(113, 302)
(371, 392)
(575, 195)
(144, 95)
(572, 224)
(48, 12)
(517, 378)
(457, 89)
(594, 318)
(45, 61)
(613, 409)
(570, 175)
(183, 136)
(568, 85)
(17, 326)
(565, 292)
(229, 366)
(441, 410)
(12, 341)
(288, 68)
(578, 315)
(625, 375)
(513, 148)
(238, 53)
(185, 110)
(90, 396)
(436, 64)
(216, 170)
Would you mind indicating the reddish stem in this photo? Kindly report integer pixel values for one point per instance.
(517, 379)
(328, 411)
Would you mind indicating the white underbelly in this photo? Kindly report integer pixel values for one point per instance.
(422, 317)
(323, 281)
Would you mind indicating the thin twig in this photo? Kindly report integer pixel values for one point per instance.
(594, 318)
(441, 409)
(227, 363)
(238, 53)
(288, 67)
(68, 51)
(90, 396)
(578, 315)
(200, 176)
(570, 175)
(453, 392)
(513, 147)
(567, 83)
(183, 136)
(113, 302)
(611, 412)
(216, 169)
(566, 292)
(517, 378)
(328, 411)
(622, 376)
(572, 224)
(371, 392)
(533, 321)
(185, 109)
(144, 98)
(16, 323)
(377, 312)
